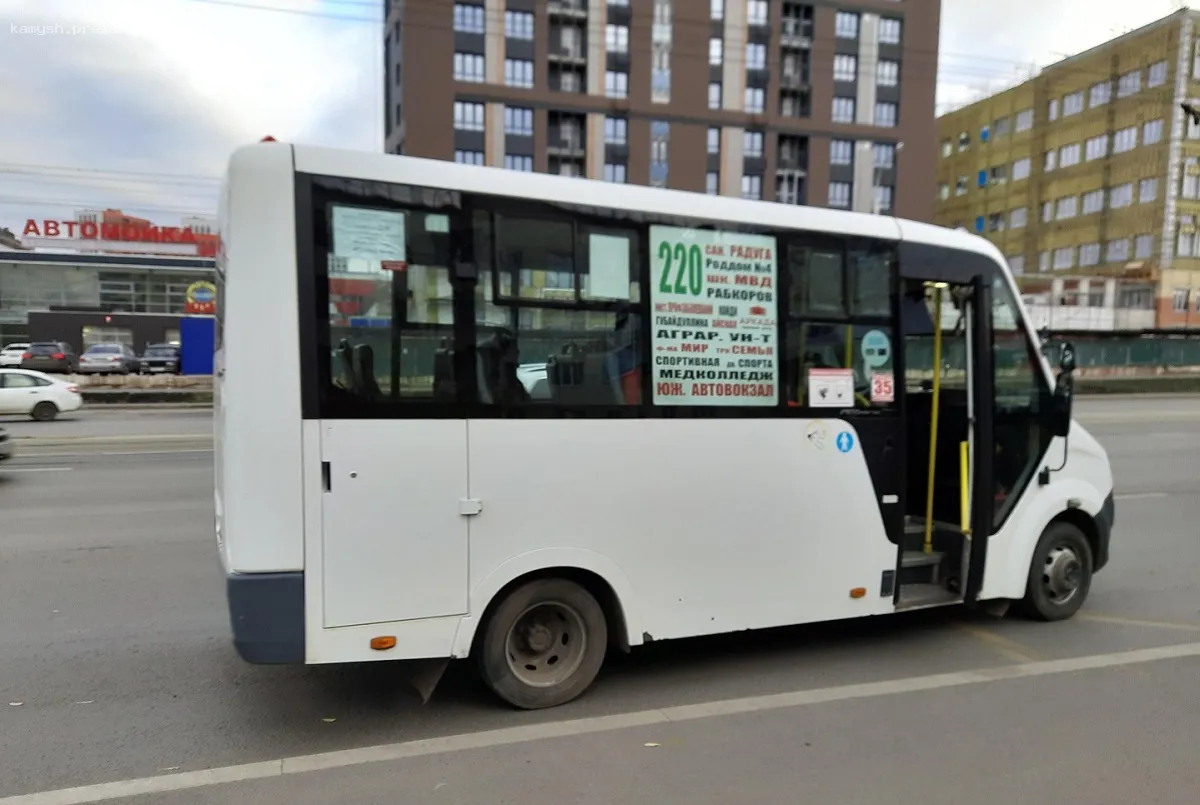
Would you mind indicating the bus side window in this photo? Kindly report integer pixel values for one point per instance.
(544, 335)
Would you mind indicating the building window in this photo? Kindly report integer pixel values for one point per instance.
(1096, 148)
(846, 25)
(1069, 155)
(1190, 181)
(516, 162)
(845, 68)
(756, 56)
(468, 116)
(468, 67)
(1051, 161)
(1099, 94)
(1179, 300)
(1093, 202)
(517, 121)
(1052, 110)
(716, 9)
(714, 96)
(964, 141)
(885, 114)
(1018, 218)
(1067, 207)
(995, 222)
(616, 84)
(614, 173)
(468, 157)
(1024, 120)
(468, 19)
(841, 152)
(1016, 263)
(616, 38)
(715, 46)
(518, 73)
(843, 110)
(616, 130)
(714, 141)
(518, 25)
(839, 195)
(712, 183)
(1152, 132)
(1120, 196)
(1047, 211)
(1143, 247)
(752, 187)
(885, 155)
(1157, 74)
(1118, 250)
(947, 148)
(752, 144)
(887, 73)
(883, 199)
(756, 12)
(1072, 104)
(1043, 261)
(756, 100)
(1089, 254)
(889, 31)
(960, 186)
(943, 191)
(1020, 169)
(1129, 83)
(1125, 140)
(1064, 258)
(1147, 190)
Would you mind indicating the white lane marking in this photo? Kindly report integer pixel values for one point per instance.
(584, 726)
(34, 469)
(52, 454)
(1141, 495)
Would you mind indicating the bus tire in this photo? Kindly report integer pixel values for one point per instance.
(1060, 574)
(543, 644)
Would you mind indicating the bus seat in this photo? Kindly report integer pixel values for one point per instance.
(564, 375)
(345, 354)
(364, 370)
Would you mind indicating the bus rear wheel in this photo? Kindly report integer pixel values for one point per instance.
(1060, 574)
(544, 644)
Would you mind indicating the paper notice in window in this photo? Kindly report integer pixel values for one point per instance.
(608, 266)
(377, 236)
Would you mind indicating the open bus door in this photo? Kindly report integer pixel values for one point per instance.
(948, 424)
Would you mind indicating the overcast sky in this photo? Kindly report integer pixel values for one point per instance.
(145, 88)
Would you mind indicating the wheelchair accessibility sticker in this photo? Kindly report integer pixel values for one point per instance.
(845, 441)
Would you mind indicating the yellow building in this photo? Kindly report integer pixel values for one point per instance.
(1087, 177)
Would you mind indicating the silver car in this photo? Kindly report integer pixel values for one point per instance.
(108, 359)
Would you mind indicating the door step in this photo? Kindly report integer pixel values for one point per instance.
(918, 567)
(924, 596)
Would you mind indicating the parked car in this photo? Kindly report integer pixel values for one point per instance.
(108, 359)
(161, 358)
(10, 356)
(36, 394)
(50, 356)
(8, 448)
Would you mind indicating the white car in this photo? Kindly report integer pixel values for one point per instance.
(11, 355)
(37, 395)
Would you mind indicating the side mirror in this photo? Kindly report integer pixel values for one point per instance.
(1064, 392)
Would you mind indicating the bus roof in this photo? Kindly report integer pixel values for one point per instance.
(391, 168)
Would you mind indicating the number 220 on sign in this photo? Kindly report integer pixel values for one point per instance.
(882, 388)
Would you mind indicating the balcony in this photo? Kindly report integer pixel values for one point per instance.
(566, 54)
(567, 145)
(572, 9)
(795, 34)
(793, 80)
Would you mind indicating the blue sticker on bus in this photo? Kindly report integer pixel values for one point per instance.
(845, 441)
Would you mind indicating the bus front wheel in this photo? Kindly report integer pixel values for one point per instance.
(1060, 574)
(544, 644)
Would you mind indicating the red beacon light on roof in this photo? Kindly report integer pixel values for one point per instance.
(267, 139)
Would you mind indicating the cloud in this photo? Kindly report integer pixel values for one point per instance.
(173, 86)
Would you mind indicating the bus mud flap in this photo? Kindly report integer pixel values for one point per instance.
(424, 675)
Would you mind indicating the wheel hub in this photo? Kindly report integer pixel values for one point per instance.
(1063, 574)
(538, 637)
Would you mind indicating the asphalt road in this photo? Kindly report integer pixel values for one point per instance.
(115, 665)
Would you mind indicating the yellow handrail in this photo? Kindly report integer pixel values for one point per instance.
(964, 481)
(933, 419)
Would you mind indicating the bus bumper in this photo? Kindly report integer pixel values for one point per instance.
(1104, 526)
(266, 613)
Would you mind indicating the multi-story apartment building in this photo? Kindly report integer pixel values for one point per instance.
(1087, 177)
(820, 102)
